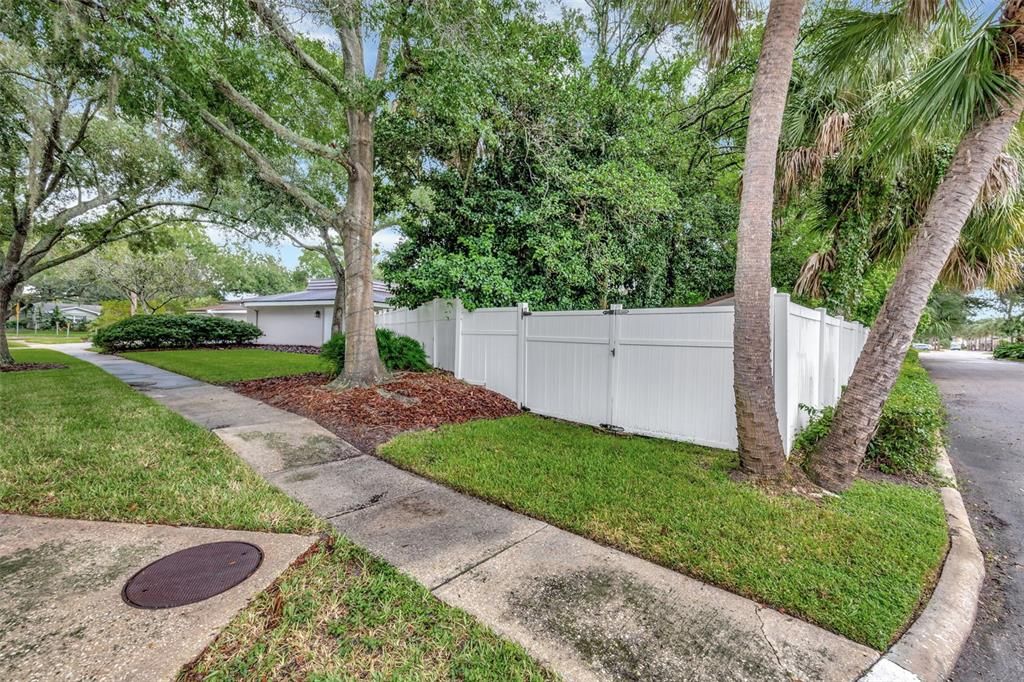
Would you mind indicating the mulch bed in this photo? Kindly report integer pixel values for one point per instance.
(31, 366)
(367, 417)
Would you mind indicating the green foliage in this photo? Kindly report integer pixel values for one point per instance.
(909, 434)
(173, 331)
(595, 183)
(397, 352)
(1009, 351)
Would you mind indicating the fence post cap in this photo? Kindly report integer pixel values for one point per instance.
(615, 306)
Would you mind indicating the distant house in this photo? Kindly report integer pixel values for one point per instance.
(233, 310)
(303, 318)
(75, 313)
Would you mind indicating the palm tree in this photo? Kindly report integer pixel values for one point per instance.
(864, 206)
(976, 87)
(757, 425)
(760, 442)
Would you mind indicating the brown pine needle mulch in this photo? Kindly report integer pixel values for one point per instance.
(367, 417)
(31, 366)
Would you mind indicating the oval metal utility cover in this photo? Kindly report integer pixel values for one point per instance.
(192, 575)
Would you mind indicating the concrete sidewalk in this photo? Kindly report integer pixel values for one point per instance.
(587, 611)
(61, 612)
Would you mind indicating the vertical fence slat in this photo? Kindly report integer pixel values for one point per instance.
(780, 341)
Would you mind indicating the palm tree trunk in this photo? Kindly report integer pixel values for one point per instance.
(362, 358)
(835, 464)
(757, 424)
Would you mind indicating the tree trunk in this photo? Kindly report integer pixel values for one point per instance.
(338, 313)
(362, 359)
(757, 424)
(835, 463)
(6, 298)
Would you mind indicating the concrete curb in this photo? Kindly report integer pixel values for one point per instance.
(928, 651)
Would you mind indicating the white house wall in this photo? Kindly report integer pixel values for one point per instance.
(292, 325)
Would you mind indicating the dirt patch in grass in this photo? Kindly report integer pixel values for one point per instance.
(367, 417)
(31, 366)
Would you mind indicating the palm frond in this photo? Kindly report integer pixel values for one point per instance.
(920, 12)
(832, 133)
(810, 281)
(719, 27)
(1006, 271)
(1002, 186)
(853, 45)
(962, 272)
(717, 21)
(797, 167)
(955, 88)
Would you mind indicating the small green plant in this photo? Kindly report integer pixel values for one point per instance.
(397, 352)
(1009, 351)
(173, 331)
(909, 434)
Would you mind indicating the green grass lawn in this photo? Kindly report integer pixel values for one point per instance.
(78, 443)
(857, 565)
(235, 364)
(46, 336)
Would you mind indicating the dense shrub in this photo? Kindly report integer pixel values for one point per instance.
(908, 437)
(1009, 351)
(397, 352)
(173, 331)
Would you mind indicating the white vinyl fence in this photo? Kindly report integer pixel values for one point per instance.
(663, 372)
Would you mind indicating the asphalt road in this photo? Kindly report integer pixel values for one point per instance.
(985, 399)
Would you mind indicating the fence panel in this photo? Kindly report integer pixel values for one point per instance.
(828, 368)
(489, 349)
(432, 324)
(851, 342)
(663, 372)
(568, 365)
(673, 374)
(804, 349)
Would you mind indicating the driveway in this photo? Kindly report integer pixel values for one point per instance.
(985, 399)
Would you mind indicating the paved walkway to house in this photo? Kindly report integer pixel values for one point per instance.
(587, 611)
(61, 612)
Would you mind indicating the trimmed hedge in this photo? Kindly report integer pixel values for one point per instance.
(909, 434)
(397, 352)
(1009, 351)
(173, 331)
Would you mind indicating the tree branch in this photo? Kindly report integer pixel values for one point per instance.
(276, 25)
(273, 125)
(264, 168)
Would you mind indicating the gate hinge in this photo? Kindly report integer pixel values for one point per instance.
(612, 428)
(615, 311)
(524, 408)
(526, 313)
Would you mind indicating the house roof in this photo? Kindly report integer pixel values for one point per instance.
(64, 306)
(724, 300)
(223, 306)
(318, 291)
